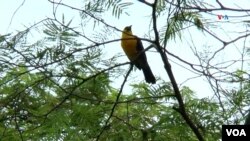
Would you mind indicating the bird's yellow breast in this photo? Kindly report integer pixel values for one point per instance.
(129, 44)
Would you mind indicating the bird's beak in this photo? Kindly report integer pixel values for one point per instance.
(130, 27)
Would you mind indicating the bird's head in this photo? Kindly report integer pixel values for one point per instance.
(127, 30)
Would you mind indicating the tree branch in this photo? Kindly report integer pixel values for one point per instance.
(168, 69)
(115, 104)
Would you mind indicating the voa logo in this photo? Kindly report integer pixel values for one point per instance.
(220, 17)
(236, 132)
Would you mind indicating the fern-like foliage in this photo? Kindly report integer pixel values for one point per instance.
(176, 24)
(98, 6)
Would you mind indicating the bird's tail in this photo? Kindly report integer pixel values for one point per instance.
(149, 76)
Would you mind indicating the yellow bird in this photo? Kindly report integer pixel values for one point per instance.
(133, 48)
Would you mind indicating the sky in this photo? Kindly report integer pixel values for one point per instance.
(19, 14)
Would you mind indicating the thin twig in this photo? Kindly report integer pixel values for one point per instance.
(115, 104)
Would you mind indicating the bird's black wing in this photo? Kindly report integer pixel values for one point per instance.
(141, 52)
(142, 63)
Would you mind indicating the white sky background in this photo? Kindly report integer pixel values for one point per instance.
(33, 11)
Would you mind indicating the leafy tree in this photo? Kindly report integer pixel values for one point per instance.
(58, 86)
